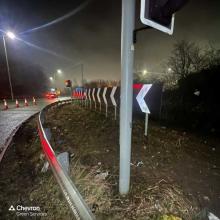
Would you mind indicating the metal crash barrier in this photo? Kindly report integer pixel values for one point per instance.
(75, 201)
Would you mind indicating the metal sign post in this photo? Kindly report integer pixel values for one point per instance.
(127, 60)
(146, 124)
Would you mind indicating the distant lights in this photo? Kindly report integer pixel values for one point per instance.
(169, 69)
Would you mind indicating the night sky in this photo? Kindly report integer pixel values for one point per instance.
(92, 36)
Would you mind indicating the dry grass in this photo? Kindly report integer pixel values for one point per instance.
(96, 191)
(155, 201)
(152, 202)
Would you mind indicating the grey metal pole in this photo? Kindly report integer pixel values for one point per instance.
(8, 69)
(146, 124)
(127, 60)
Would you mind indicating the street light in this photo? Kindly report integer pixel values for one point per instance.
(59, 71)
(54, 78)
(144, 72)
(12, 36)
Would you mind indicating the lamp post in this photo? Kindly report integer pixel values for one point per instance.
(11, 36)
(53, 77)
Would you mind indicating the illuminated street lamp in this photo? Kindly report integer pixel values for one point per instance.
(51, 78)
(144, 72)
(12, 36)
(59, 71)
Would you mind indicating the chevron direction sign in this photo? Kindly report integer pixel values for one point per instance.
(105, 101)
(93, 96)
(112, 95)
(89, 95)
(147, 98)
(99, 100)
(140, 98)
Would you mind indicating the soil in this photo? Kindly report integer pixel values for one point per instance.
(23, 183)
(181, 159)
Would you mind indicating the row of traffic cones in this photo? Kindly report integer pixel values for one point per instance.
(17, 103)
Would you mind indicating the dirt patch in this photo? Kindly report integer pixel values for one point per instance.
(23, 183)
(172, 172)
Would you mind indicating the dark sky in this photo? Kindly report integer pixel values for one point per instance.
(92, 36)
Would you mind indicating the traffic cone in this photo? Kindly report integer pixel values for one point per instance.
(17, 103)
(5, 105)
(25, 102)
(34, 101)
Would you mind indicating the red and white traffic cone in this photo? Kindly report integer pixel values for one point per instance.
(25, 102)
(34, 101)
(5, 105)
(17, 103)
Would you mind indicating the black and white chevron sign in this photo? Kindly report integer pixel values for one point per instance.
(103, 96)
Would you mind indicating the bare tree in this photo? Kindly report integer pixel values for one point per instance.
(212, 56)
(186, 58)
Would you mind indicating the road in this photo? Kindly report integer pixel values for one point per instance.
(11, 118)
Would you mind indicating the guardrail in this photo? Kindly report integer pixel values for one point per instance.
(75, 201)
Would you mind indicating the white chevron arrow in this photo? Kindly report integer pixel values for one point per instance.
(112, 95)
(98, 97)
(140, 98)
(89, 95)
(85, 94)
(104, 95)
(93, 95)
(90, 101)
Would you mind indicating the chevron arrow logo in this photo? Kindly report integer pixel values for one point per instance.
(11, 208)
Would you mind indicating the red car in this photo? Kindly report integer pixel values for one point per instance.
(51, 95)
